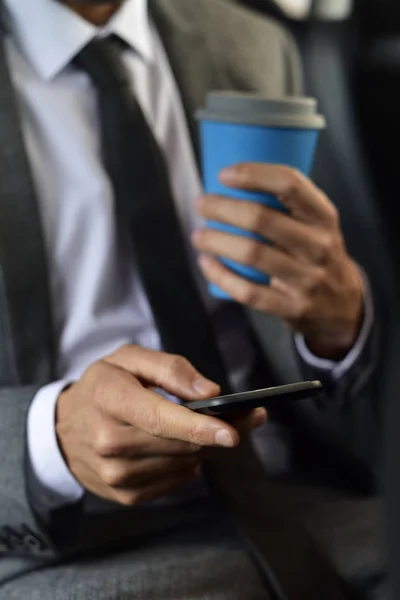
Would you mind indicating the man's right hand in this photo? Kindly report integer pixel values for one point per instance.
(126, 443)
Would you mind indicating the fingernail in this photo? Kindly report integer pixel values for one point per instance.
(228, 174)
(224, 438)
(260, 417)
(205, 387)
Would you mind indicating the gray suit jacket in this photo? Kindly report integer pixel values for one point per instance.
(201, 38)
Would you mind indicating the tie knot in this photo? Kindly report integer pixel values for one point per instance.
(101, 60)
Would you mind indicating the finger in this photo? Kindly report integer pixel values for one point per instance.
(123, 474)
(250, 252)
(245, 424)
(92, 476)
(122, 441)
(296, 192)
(170, 372)
(158, 490)
(120, 396)
(298, 239)
(259, 297)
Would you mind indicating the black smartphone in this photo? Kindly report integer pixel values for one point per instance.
(242, 402)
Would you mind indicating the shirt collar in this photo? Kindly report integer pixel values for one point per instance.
(51, 35)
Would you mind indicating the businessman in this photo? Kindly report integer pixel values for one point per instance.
(106, 321)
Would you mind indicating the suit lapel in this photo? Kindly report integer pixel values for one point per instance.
(195, 68)
(22, 256)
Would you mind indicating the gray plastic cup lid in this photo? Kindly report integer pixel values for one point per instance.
(255, 109)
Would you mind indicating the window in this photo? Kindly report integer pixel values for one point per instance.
(324, 9)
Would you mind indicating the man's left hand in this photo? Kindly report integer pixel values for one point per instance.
(316, 288)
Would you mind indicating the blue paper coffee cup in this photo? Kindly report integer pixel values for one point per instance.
(238, 128)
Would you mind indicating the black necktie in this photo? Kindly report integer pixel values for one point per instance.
(145, 204)
(293, 567)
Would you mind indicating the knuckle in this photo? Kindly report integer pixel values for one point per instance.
(175, 365)
(129, 498)
(195, 434)
(320, 278)
(258, 219)
(122, 394)
(123, 351)
(324, 249)
(153, 422)
(253, 253)
(94, 373)
(112, 475)
(106, 444)
(293, 181)
(97, 381)
(125, 355)
(247, 295)
(270, 220)
(315, 280)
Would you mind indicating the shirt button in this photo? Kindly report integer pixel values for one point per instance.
(31, 542)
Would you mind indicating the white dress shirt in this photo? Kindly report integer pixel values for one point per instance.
(97, 296)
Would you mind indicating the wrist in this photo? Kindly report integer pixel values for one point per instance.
(331, 347)
(336, 344)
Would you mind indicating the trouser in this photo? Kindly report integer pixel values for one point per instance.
(205, 560)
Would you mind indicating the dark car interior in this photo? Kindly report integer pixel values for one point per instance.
(377, 93)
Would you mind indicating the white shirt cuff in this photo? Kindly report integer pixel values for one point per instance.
(45, 456)
(337, 369)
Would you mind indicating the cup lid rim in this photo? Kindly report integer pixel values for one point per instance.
(260, 109)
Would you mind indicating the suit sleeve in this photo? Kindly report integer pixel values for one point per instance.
(25, 532)
(294, 68)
